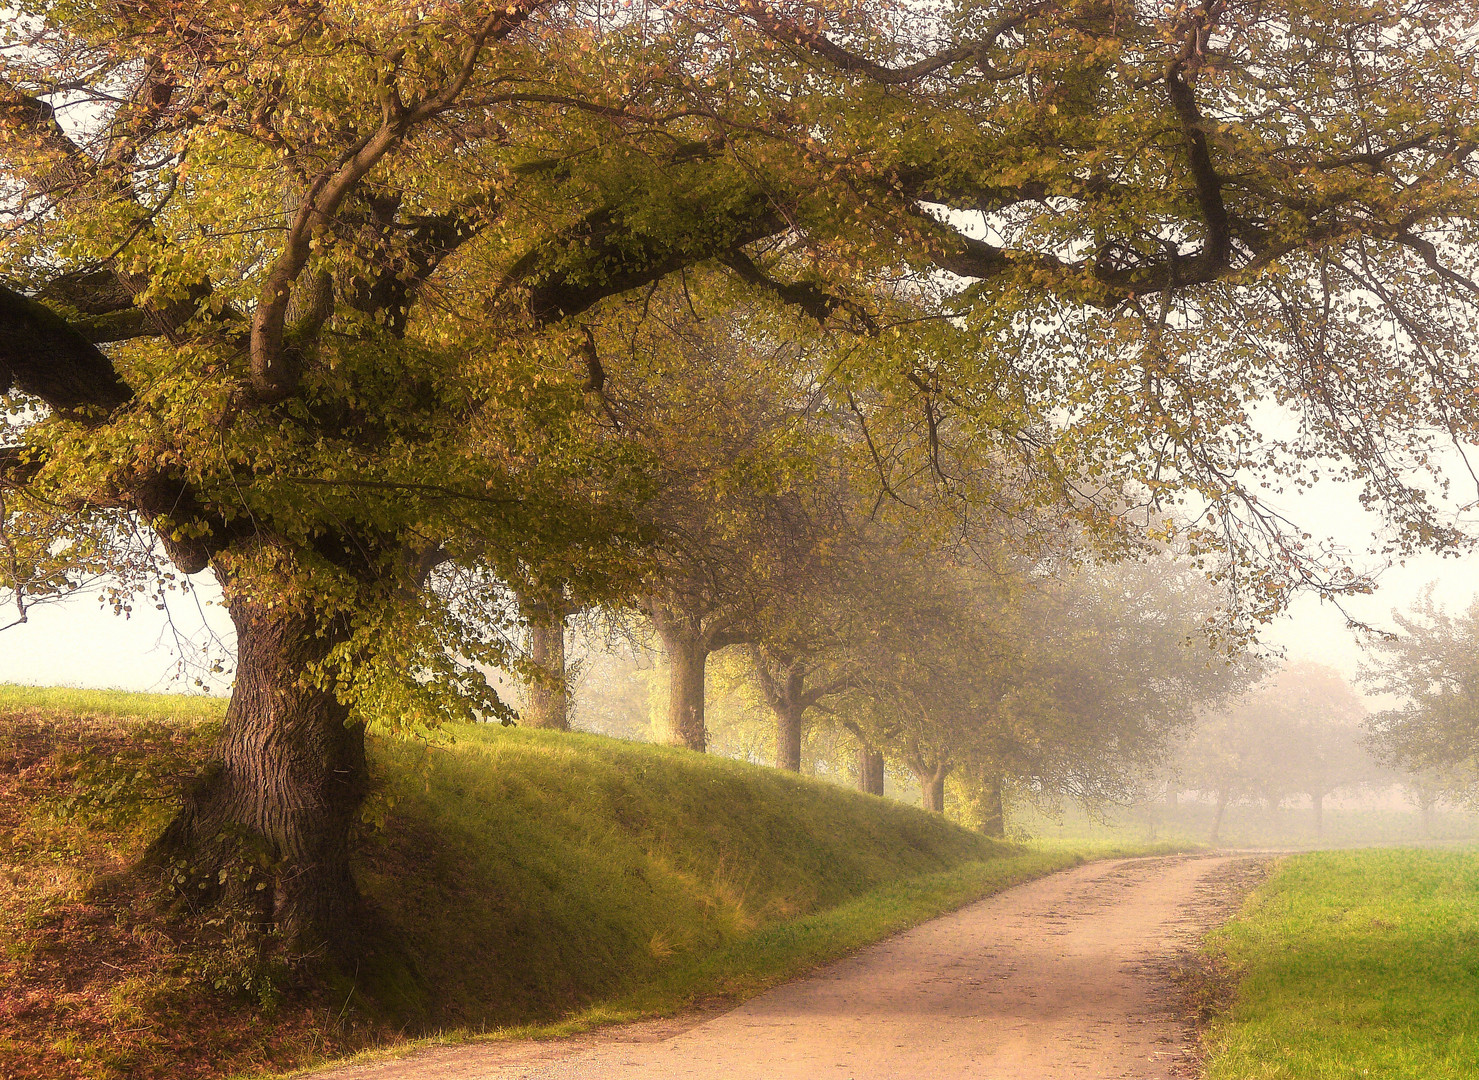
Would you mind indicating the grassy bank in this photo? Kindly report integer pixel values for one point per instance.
(531, 873)
(520, 878)
(76, 703)
(1354, 964)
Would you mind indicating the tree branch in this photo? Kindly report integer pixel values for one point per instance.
(275, 368)
(1217, 247)
(46, 357)
(555, 295)
(781, 30)
(809, 297)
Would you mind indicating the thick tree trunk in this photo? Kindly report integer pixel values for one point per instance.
(278, 810)
(931, 786)
(688, 655)
(788, 737)
(870, 770)
(549, 699)
(788, 702)
(1222, 797)
(1425, 815)
(1317, 802)
(934, 793)
(993, 813)
(931, 777)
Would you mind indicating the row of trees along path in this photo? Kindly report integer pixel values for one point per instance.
(319, 299)
(978, 651)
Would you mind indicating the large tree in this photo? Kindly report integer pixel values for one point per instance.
(298, 288)
(1325, 748)
(725, 405)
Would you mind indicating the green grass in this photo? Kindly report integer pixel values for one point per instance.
(1354, 964)
(117, 704)
(533, 875)
(1115, 846)
(524, 881)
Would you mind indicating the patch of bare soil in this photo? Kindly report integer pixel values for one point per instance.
(1081, 974)
(1199, 986)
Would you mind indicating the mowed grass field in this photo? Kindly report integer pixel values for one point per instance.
(521, 880)
(1353, 964)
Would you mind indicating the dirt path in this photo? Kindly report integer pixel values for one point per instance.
(1064, 977)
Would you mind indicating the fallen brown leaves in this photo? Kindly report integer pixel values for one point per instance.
(99, 978)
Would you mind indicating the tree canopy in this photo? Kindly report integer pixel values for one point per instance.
(1430, 665)
(304, 291)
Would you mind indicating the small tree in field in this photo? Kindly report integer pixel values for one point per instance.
(1296, 733)
(1433, 735)
(1325, 748)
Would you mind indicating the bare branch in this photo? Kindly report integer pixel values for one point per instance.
(785, 31)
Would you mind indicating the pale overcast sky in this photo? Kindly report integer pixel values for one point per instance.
(79, 643)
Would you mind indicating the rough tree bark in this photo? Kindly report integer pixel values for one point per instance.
(688, 653)
(870, 770)
(993, 813)
(788, 737)
(788, 699)
(549, 698)
(288, 787)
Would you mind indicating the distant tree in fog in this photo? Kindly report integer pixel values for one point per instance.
(1297, 733)
(1433, 736)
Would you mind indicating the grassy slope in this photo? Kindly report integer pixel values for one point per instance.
(531, 878)
(569, 867)
(1354, 964)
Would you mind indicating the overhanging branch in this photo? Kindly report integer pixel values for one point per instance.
(781, 30)
(46, 357)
